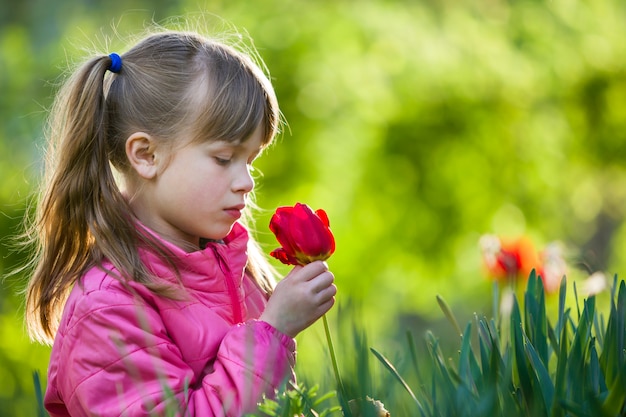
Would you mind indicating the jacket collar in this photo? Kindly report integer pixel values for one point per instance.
(202, 268)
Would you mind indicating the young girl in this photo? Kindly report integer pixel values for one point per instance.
(154, 295)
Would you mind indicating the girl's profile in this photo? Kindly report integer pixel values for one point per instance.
(147, 280)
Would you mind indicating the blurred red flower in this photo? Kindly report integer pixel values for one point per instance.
(511, 260)
(304, 235)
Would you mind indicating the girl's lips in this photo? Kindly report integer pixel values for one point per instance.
(233, 212)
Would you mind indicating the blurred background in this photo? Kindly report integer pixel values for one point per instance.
(418, 125)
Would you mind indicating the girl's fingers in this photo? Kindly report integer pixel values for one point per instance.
(322, 281)
(308, 272)
(326, 306)
(314, 269)
(325, 294)
(328, 294)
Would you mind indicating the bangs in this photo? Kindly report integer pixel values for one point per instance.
(232, 99)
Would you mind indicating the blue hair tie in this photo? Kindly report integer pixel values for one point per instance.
(116, 63)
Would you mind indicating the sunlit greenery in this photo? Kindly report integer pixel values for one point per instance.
(417, 125)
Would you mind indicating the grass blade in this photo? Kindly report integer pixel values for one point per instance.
(541, 374)
(448, 313)
(41, 412)
(395, 373)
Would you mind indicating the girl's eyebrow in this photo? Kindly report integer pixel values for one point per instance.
(235, 147)
(219, 145)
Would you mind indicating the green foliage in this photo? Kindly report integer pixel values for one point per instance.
(575, 367)
(297, 401)
(417, 125)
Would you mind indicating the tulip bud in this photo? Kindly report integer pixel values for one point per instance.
(304, 235)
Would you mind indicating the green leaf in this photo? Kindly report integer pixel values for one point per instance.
(517, 341)
(615, 401)
(576, 299)
(413, 355)
(540, 339)
(561, 367)
(395, 373)
(612, 355)
(41, 412)
(448, 313)
(465, 371)
(561, 321)
(595, 379)
(612, 360)
(450, 380)
(486, 370)
(576, 409)
(541, 374)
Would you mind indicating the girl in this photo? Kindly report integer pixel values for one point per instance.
(154, 295)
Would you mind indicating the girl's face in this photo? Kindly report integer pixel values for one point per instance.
(201, 192)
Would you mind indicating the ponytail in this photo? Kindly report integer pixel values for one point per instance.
(80, 205)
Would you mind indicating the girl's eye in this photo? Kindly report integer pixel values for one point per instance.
(222, 161)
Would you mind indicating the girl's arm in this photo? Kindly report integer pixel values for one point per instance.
(116, 357)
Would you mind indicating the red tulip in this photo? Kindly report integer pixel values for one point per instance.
(509, 259)
(304, 235)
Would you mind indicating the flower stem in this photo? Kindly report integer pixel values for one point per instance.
(333, 358)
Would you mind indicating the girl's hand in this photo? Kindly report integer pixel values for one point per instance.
(302, 297)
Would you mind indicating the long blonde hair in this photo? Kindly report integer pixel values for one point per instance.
(82, 217)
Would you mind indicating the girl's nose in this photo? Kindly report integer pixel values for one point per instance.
(244, 182)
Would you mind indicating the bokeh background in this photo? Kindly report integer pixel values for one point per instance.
(418, 125)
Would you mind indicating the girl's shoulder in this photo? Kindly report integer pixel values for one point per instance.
(103, 279)
(101, 288)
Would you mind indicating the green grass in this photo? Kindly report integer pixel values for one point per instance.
(519, 364)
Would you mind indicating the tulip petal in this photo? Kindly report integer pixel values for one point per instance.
(310, 234)
(284, 257)
(323, 217)
(280, 226)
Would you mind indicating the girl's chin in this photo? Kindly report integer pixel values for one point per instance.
(218, 235)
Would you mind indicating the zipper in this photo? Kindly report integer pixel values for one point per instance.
(230, 286)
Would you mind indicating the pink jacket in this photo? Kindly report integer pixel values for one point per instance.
(127, 352)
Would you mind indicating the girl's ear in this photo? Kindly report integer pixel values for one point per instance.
(140, 151)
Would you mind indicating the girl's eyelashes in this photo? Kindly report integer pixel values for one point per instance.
(226, 158)
(222, 161)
